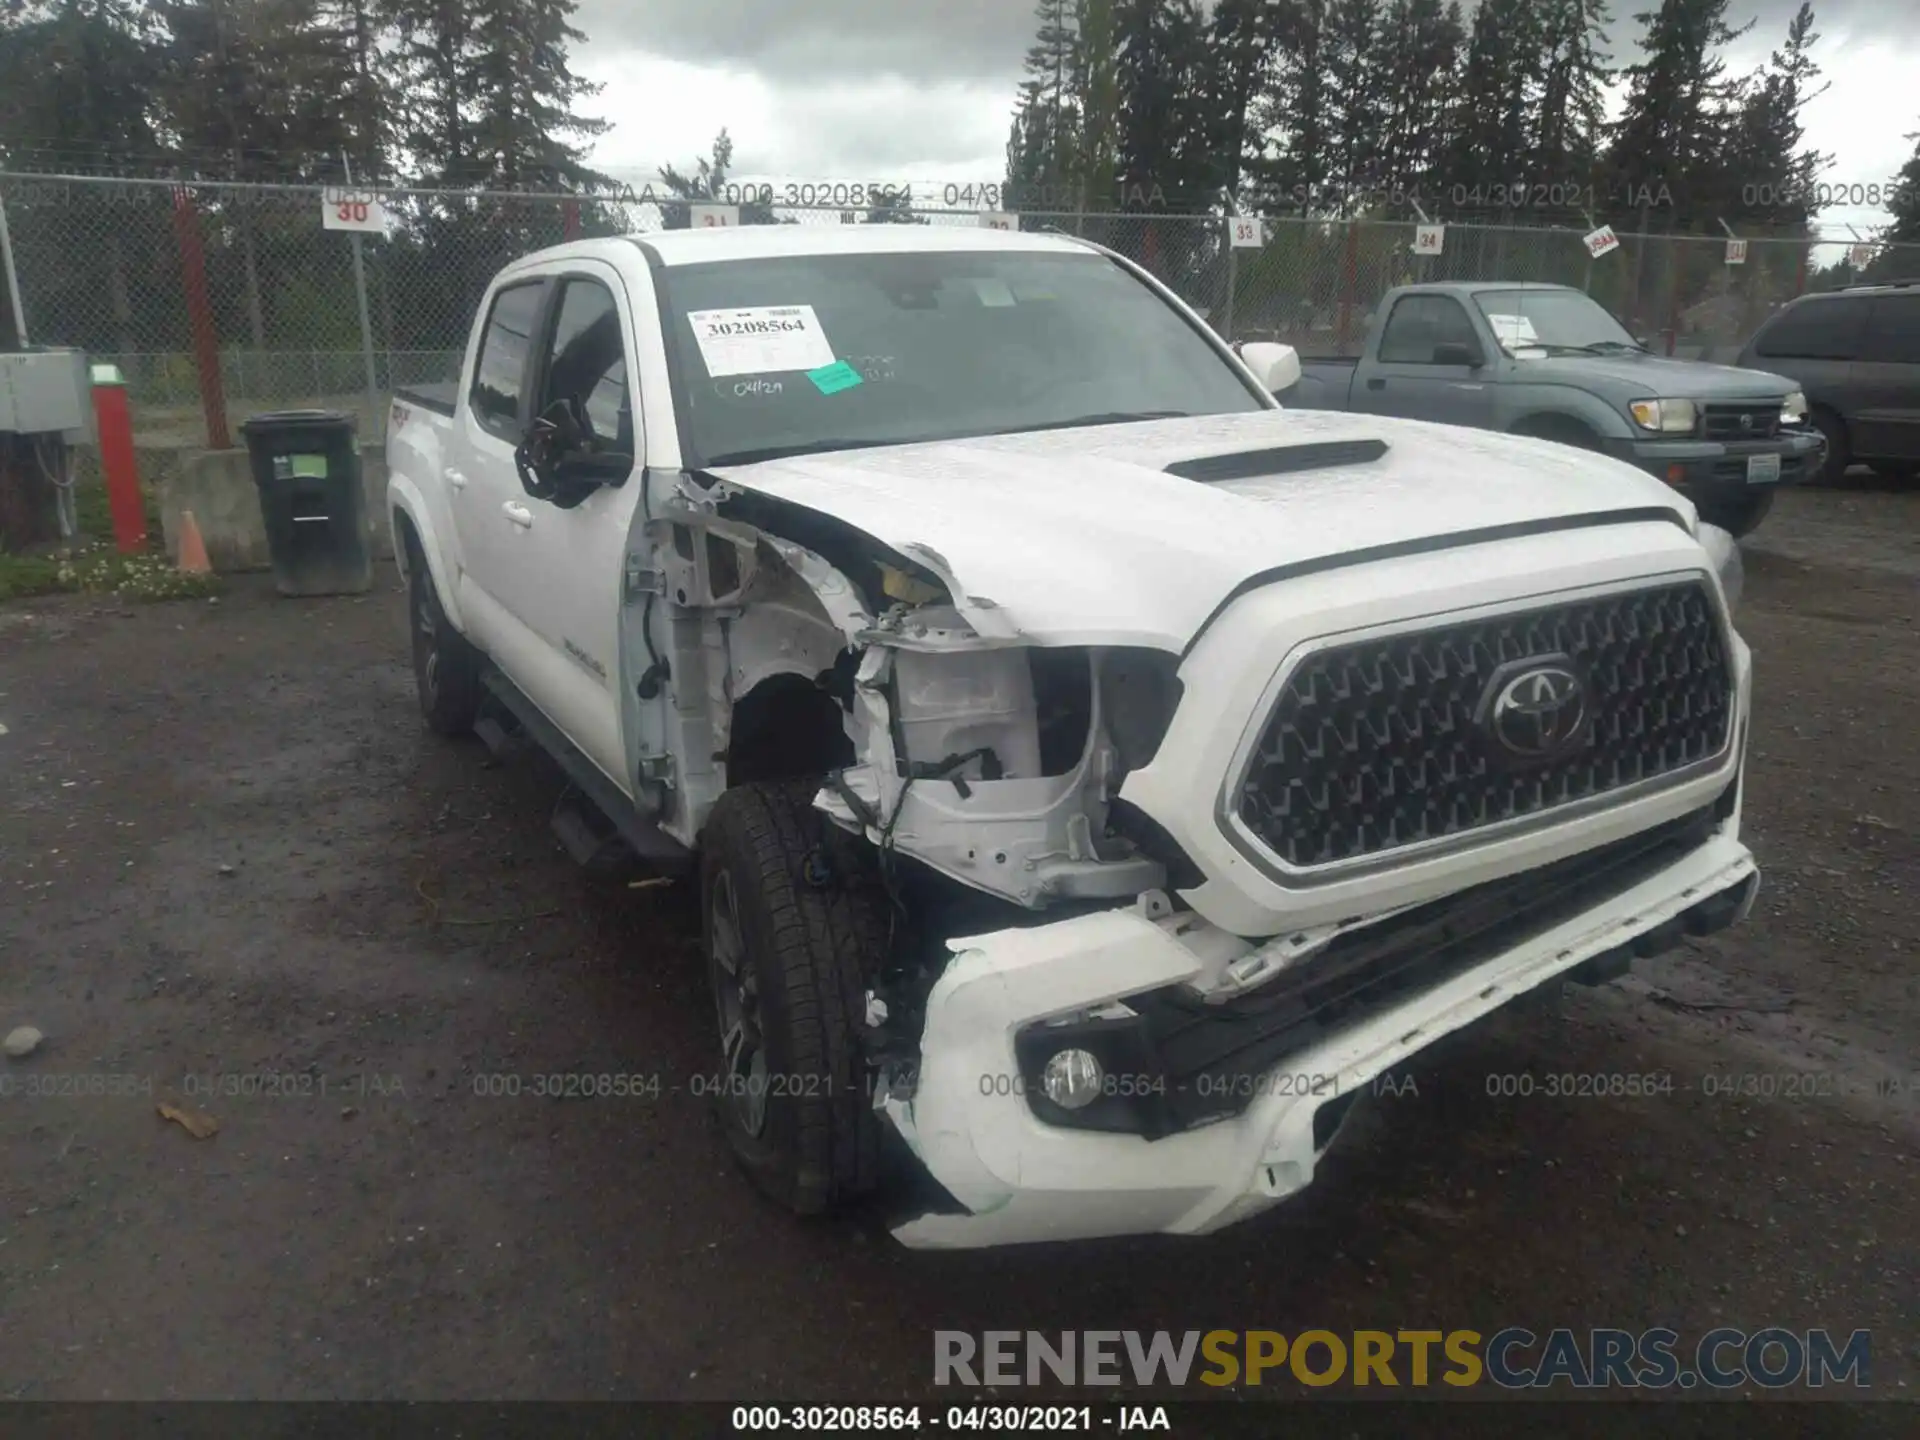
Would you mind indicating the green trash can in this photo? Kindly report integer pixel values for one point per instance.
(306, 464)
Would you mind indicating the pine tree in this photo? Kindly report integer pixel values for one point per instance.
(1668, 144)
(707, 181)
(529, 135)
(1162, 79)
(1356, 102)
(438, 89)
(1573, 73)
(1291, 116)
(1419, 54)
(1770, 174)
(1905, 204)
(76, 81)
(1043, 143)
(1491, 144)
(1239, 44)
(1096, 84)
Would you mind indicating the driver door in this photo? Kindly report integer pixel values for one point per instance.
(568, 554)
(1405, 379)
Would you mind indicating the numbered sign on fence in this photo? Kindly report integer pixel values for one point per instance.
(1429, 239)
(353, 210)
(1736, 252)
(1602, 242)
(709, 217)
(1244, 232)
(1860, 256)
(999, 220)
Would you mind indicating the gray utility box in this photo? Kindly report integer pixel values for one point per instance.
(45, 392)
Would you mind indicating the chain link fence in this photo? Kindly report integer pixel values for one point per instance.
(221, 300)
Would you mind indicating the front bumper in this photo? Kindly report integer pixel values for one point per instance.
(1715, 470)
(1022, 1179)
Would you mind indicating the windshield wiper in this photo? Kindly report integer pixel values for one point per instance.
(1107, 417)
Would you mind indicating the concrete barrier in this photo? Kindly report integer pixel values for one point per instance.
(217, 486)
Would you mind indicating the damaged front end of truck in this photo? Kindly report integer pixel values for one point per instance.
(1155, 917)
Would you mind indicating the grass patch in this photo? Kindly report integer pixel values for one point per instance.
(96, 568)
(92, 566)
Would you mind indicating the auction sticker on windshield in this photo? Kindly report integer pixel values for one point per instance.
(760, 339)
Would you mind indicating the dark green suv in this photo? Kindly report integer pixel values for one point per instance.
(1856, 355)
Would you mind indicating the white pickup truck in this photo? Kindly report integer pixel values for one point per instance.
(1096, 776)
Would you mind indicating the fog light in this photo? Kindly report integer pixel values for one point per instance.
(1072, 1079)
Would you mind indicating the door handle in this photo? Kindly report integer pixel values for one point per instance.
(518, 514)
(1376, 383)
(456, 479)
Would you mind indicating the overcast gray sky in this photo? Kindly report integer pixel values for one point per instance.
(913, 90)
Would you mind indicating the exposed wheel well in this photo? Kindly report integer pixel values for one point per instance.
(1562, 428)
(786, 728)
(409, 552)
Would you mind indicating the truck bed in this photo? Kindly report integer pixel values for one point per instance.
(1326, 383)
(437, 396)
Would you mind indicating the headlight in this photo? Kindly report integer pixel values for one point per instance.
(1793, 409)
(1725, 551)
(1668, 416)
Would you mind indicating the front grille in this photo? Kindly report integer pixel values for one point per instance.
(1375, 745)
(1741, 422)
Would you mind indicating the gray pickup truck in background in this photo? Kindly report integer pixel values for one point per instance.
(1550, 361)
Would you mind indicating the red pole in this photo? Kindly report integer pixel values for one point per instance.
(206, 343)
(1349, 279)
(570, 218)
(115, 419)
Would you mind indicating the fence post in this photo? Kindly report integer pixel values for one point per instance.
(17, 305)
(570, 219)
(1349, 279)
(1233, 284)
(206, 343)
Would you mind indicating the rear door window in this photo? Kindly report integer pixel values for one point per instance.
(1893, 330)
(1816, 330)
(505, 349)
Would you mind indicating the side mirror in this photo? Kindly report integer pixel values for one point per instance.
(1453, 352)
(558, 461)
(1276, 367)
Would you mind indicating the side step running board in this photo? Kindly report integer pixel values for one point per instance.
(600, 813)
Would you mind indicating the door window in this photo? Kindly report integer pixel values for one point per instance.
(1815, 330)
(1893, 331)
(587, 364)
(1421, 322)
(502, 368)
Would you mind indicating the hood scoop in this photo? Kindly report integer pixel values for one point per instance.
(1279, 460)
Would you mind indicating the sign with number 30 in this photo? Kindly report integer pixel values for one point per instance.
(353, 210)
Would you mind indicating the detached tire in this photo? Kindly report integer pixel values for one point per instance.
(794, 925)
(446, 669)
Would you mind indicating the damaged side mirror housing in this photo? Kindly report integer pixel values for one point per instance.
(560, 460)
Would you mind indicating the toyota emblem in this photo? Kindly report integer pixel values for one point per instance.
(1535, 709)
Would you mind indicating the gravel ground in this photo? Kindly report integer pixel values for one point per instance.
(227, 846)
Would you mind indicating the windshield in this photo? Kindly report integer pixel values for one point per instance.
(1546, 321)
(795, 354)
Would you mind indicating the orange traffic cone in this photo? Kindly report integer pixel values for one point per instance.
(193, 549)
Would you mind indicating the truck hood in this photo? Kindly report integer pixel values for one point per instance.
(1655, 377)
(1079, 537)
